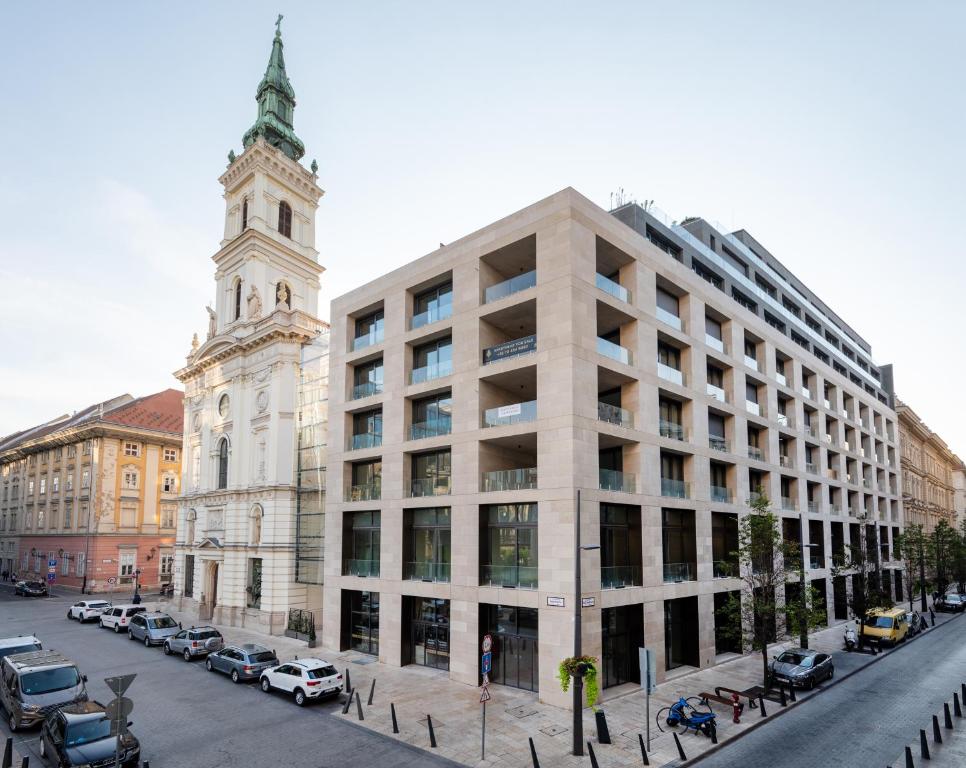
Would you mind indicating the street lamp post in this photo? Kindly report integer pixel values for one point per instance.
(578, 651)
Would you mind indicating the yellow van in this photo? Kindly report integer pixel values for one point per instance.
(886, 625)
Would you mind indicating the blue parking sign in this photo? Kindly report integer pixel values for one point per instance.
(51, 563)
(487, 662)
(51, 577)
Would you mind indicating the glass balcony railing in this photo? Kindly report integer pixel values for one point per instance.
(612, 480)
(432, 428)
(724, 569)
(669, 318)
(789, 504)
(675, 572)
(368, 440)
(612, 287)
(678, 489)
(373, 337)
(516, 413)
(364, 492)
(807, 393)
(811, 430)
(673, 430)
(432, 315)
(614, 351)
(780, 378)
(431, 372)
(832, 474)
(714, 343)
(525, 345)
(367, 389)
(429, 486)
(783, 420)
(755, 496)
(509, 480)
(717, 393)
(721, 494)
(620, 576)
(813, 507)
(826, 403)
(835, 509)
(613, 414)
(787, 462)
(511, 286)
(366, 568)
(816, 562)
(756, 453)
(719, 444)
(427, 571)
(751, 362)
(673, 375)
(753, 407)
(811, 468)
(524, 577)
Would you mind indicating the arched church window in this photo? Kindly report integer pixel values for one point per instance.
(244, 214)
(223, 463)
(285, 219)
(238, 298)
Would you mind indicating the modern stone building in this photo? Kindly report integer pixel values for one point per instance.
(662, 373)
(95, 493)
(930, 473)
(239, 531)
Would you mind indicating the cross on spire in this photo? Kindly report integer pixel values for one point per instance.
(278, 25)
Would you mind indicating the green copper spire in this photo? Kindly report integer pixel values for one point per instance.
(276, 105)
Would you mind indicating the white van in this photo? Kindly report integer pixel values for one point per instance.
(20, 644)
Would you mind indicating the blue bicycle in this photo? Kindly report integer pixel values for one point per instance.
(697, 716)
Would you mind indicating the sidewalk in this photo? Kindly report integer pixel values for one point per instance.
(513, 715)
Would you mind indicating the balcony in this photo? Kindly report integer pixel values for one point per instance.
(420, 487)
(719, 444)
(722, 494)
(613, 414)
(676, 489)
(509, 480)
(433, 315)
(751, 362)
(784, 420)
(673, 430)
(505, 415)
(807, 393)
(827, 404)
(677, 572)
(753, 408)
(614, 351)
(432, 428)
(511, 286)
(835, 509)
(715, 343)
(816, 562)
(780, 378)
(615, 289)
(813, 507)
(789, 504)
(375, 336)
(364, 492)
(756, 453)
(612, 480)
(364, 568)
(724, 569)
(866, 483)
(832, 474)
(367, 440)
(523, 577)
(811, 468)
(787, 462)
(717, 393)
(620, 576)
(669, 318)
(431, 372)
(525, 345)
(368, 389)
(427, 571)
(673, 375)
(811, 430)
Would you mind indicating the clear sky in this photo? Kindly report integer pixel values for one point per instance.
(834, 132)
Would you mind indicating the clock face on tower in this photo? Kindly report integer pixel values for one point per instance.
(223, 404)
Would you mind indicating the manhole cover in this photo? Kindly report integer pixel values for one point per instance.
(522, 711)
(553, 730)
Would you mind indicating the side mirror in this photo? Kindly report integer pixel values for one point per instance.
(129, 723)
(84, 678)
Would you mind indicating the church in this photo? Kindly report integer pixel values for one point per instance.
(249, 535)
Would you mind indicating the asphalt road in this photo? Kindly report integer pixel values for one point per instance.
(866, 720)
(187, 717)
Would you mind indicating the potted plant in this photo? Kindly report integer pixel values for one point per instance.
(312, 635)
(585, 668)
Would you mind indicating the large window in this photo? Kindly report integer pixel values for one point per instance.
(366, 483)
(510, 546)
(428, 552)
(432, 305)
(432, 360)
(367, 379)
(620, 546)
(678, 545)
(223, 463)
(432, 416)
(367, 429)
(285, 219)
(362, 550)
(724, 544)
(429, 632)
(514, 632)
(363, 621)
(189, 575)
(369, 329)
(431, 473)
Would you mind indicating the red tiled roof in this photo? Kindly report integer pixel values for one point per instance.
(162, 411)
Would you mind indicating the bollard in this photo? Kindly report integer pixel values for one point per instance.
(432, 734)
(395, 725)
(948, 720)
(735, 709)
(348, 685)
(714, 734)
(372, 690)
(677, 741)
(936, 735)
(957, 710)
(962, 692)
(932, 618)
(643, 751)
(909, 763)
(781, 695)
(923, 745)
(603, 732)
(8, 753)
(593, 757)
(348, 701)
(791, 692)
(25, 763)
(145, 765)
(761, 705)
(533, 754)
(359, 705)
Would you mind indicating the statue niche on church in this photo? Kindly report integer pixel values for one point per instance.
(254, 304)
(283, 299)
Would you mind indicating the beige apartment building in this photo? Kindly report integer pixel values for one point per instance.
(931, 473)
(660, 373)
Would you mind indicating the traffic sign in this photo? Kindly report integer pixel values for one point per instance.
(118, 711)
(487, 662)
(487, 643)
(120, 684)
(112, 580)
(51, 577)
(485, 695)
(51, 563)
(51, 569)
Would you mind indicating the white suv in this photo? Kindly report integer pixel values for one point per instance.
(117, 617)
(86, 610)
(304, 678)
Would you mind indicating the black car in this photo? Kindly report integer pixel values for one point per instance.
(80, 735)
(31, 589)
(951, 603)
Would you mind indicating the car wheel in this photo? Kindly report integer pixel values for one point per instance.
(130, 635)
(234, 676)
(12, 722)
(187, 655)
(147, 641)
(266, 686)
(167, 649)
(70, 615)
(811, 683)
(299, 697)
(117, 628)
(209, 666)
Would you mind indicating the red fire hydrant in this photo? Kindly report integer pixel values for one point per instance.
(735, 709)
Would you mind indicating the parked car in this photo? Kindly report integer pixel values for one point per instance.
(304, 678)
(117, 617)
(86, 610)
(151, 628)
(916, 623)
(10, 646)
(242, 662)
(31, 589)
(36, 683)
(951, 603)
(888, 626)
(803, 667)
(197, 641)
(79, 735)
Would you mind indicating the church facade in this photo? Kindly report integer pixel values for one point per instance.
(238, 529)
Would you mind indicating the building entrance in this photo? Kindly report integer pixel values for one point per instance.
(514, 632)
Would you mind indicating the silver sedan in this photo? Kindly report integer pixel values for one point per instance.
(241, 662)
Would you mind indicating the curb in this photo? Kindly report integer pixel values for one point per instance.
(836, 681)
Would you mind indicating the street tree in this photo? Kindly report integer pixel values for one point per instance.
(959, 558)
(941, 547)
(911, 545)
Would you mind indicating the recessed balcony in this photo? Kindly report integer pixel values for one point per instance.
(506, 415)
(715, 343)
(751, 362)
(673, 430)
(789, 504)
(669, 318)
(756, 453)
(511, 286)
(366, 389)
(620, 576)
(722, 494)
(780, 378)
(613, 414)
(432, 428)
(614, 351)
(719, 444)
(613, 288)
(673, 375)
(431, 372)
(622, 482)
(364, 492)
(717, 393)
(420, 487)
(427, 571)
(675, 489)
(363, 441)
(753, 408)
(679, 572)
(513, 576)
(362, 568)
(374, 336)
(787, 462)
(509, 480)
(432, 315)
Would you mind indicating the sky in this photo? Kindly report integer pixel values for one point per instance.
(831, 131)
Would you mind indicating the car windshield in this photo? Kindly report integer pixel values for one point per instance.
(320, 672)
(163, 622)
(86, 732)
(788, 657)
(953, 598)
(49, 680)
(34, 584)
(880, 622)
(207, 634)
(261, 656)
(19, 649)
